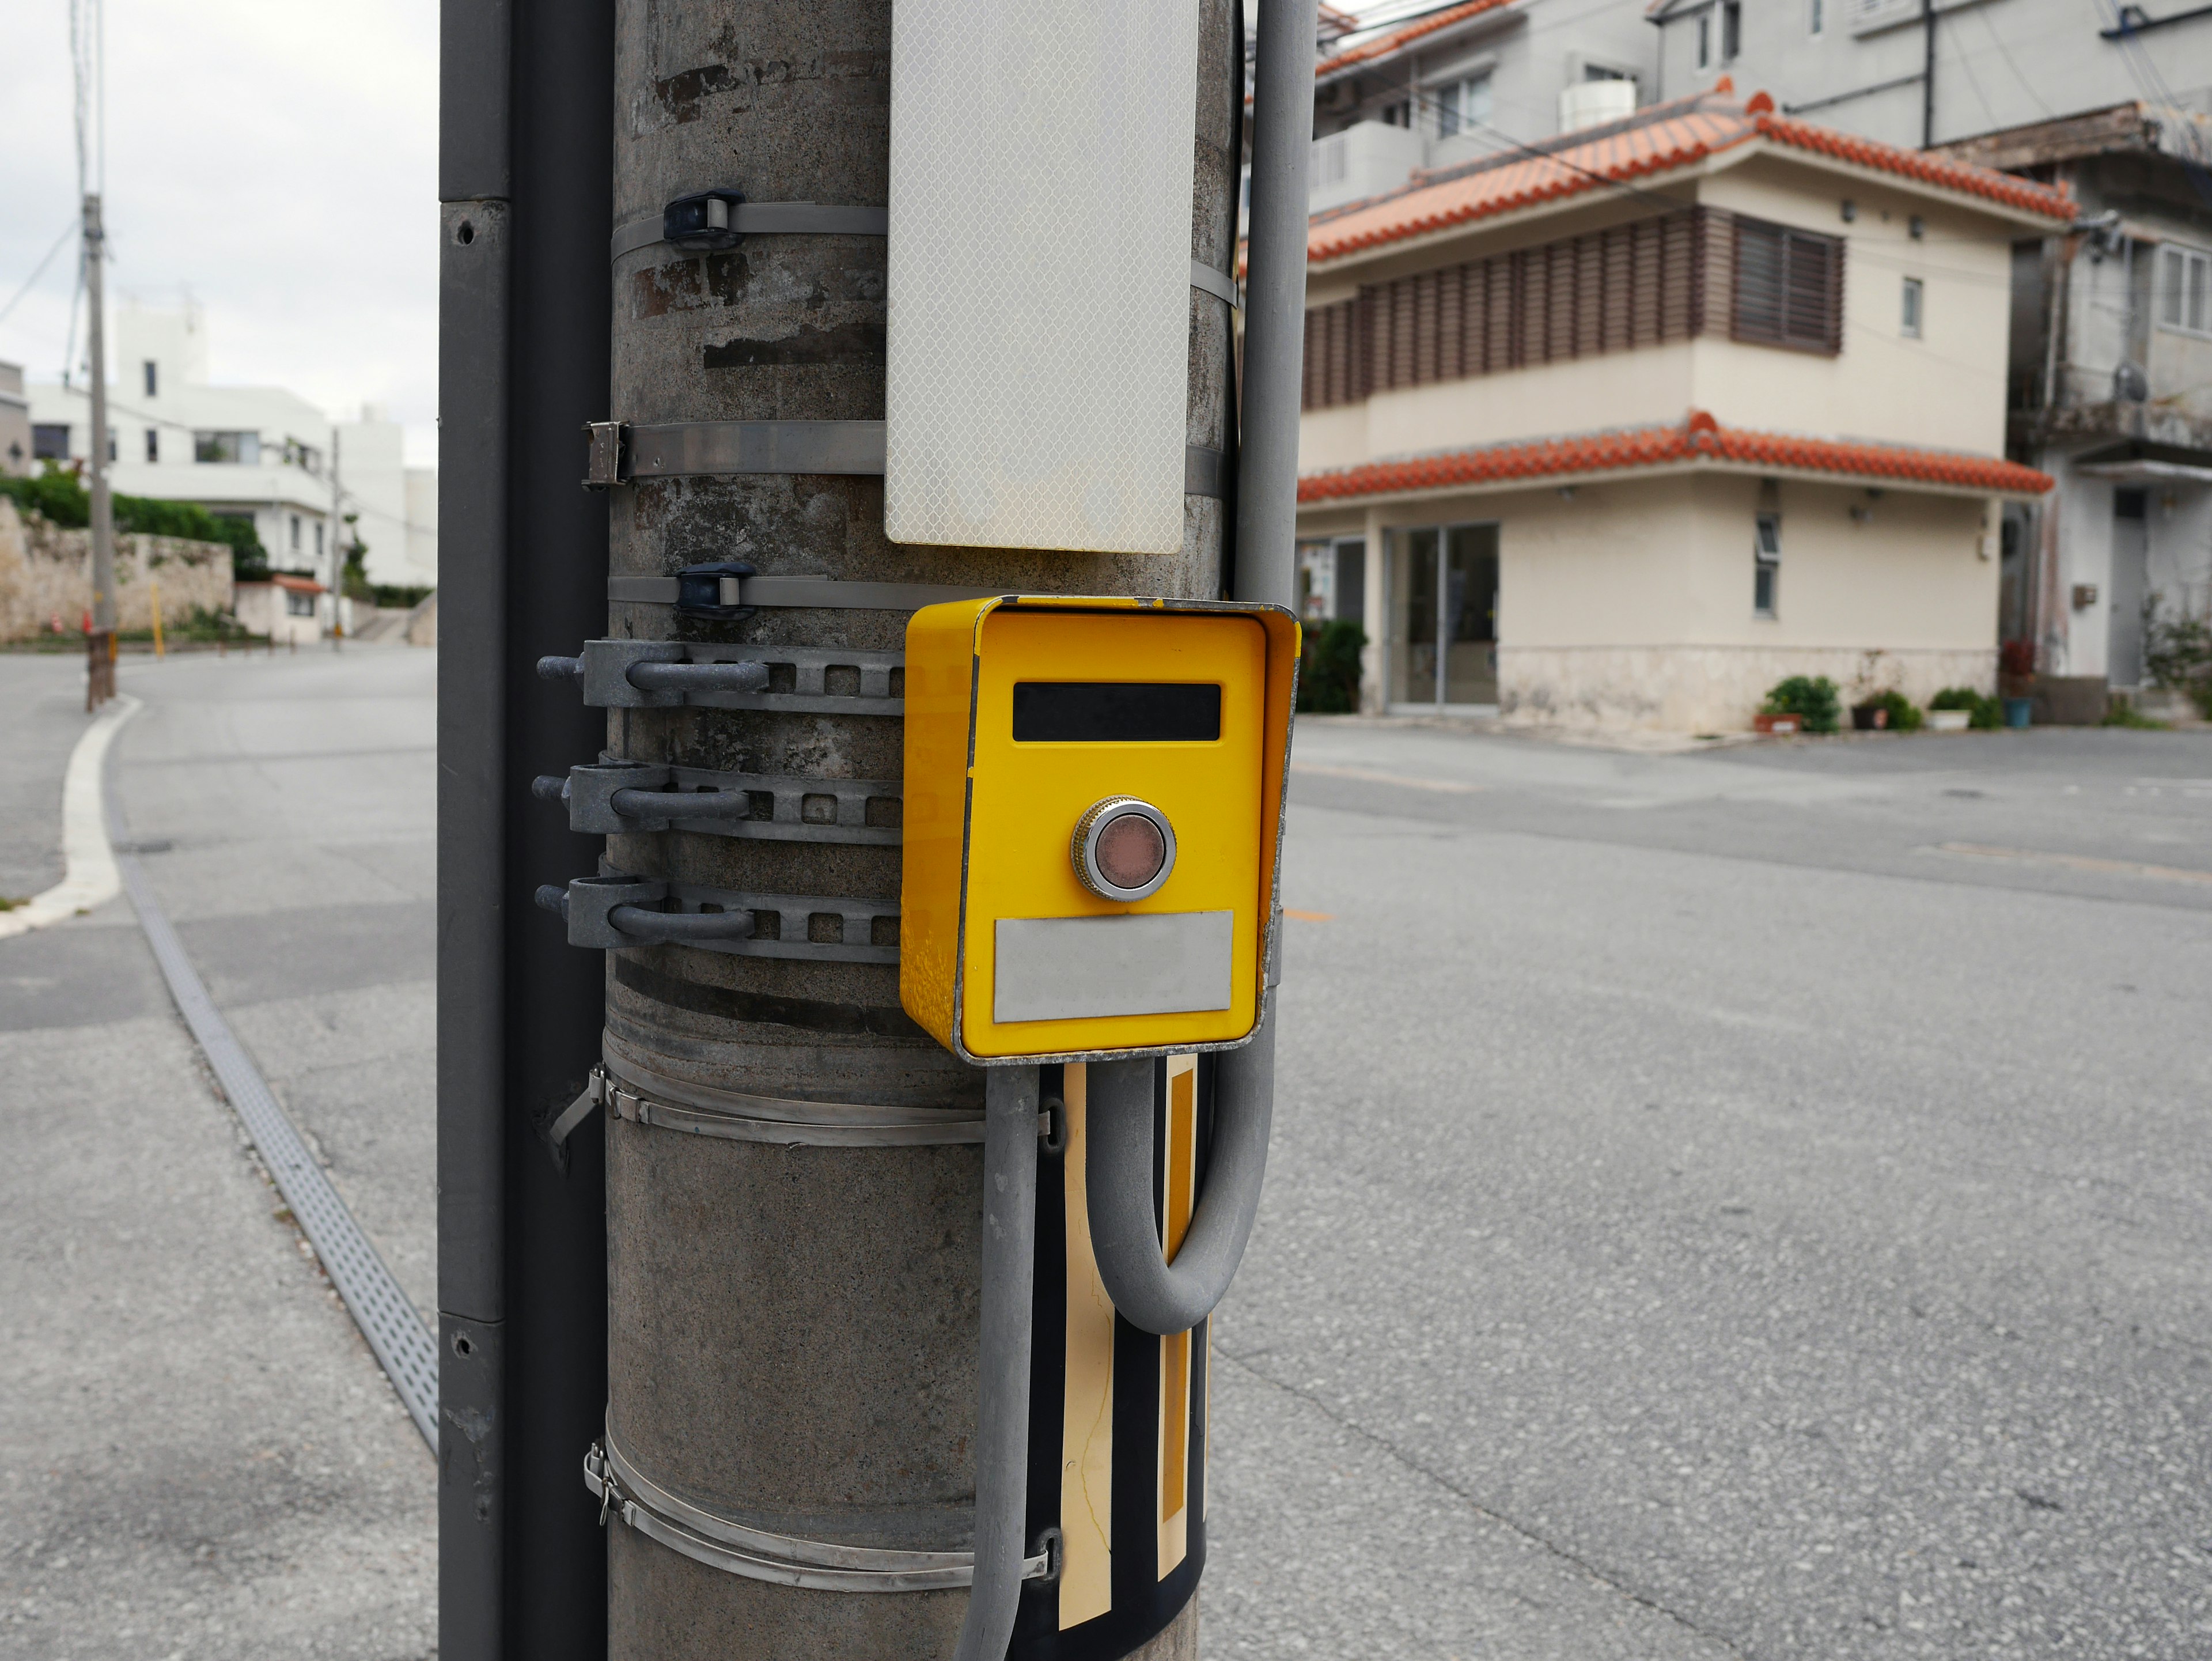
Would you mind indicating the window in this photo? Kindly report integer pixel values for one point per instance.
(49, 443)
(295, 533)
(1462, 104)
(1788, 287)
(111, 436)
(1442, 646)
(244, 448)
(2183, 277)
(1731, 30)
(153, 378)
(318, 539)
(1909, 319)
(297, 604)
(153, 444)
(1765, 562)
(1400, 114)
(1704, 40)
(1816, 16)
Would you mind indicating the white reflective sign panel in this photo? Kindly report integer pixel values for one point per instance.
(1150, 962)
(1039, 288)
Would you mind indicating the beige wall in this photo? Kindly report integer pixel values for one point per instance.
(1946, 389)
(45, 573)
(1632, 604)
(1645, 388)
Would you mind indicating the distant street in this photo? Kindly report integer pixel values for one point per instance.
(203, 1458)
(1752, 1204)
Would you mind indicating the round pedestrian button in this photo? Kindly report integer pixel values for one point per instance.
(1123, 849)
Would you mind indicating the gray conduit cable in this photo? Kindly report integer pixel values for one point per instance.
(1148, 1290)
(1002, 1414)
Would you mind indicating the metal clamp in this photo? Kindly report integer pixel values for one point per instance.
(731, 1115)
(697, 228)
(666, 674)
(615, 798)
(615, 911)
(650, 674)
(823, 593)
(624, 1492)
(619, 452)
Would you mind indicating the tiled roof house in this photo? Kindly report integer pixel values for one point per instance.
(1623, 427)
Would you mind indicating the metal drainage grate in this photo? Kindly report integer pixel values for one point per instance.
(394, 1329)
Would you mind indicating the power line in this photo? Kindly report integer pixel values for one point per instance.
(39, 271)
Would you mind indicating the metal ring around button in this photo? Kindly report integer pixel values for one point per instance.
(1084, 847)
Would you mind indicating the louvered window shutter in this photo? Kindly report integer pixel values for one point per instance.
(1788, 287)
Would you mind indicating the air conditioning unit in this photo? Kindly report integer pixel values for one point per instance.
(1592, 103)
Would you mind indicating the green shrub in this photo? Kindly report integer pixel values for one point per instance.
(1811, 698)
(1904, 713)
(396, 596)
(59, 495)
(1328, 679)
(1983, 715)
(2126, 714)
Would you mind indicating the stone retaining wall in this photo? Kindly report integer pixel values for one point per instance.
(45, 573)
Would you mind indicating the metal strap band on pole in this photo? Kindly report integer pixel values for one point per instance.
(679, 448)
(621, 451)
(766, 219)
(760, 1554)
(642, 1096)
(1220, 284)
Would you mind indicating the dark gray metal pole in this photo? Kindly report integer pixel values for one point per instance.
(793, 1329)
(474, 186)
(1928, 74)
(524, 181)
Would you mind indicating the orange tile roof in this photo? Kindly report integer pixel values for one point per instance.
(1655, 140)
(1699, 439)
(1383, 45)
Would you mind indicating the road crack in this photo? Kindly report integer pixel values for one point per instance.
(1518, 1530)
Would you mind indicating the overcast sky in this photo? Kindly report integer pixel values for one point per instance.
(276, 160)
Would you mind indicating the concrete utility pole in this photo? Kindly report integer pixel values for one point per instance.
(772, 1322)
(102, 662)
(792, 1342)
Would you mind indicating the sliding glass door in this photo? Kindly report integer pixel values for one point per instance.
(1444, 605)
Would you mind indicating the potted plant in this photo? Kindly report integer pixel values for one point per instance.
(1888, 711)
(1802, 704)
(2016, 681)
(1955, 708)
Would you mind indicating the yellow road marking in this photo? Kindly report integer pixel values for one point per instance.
(2077, 862)
(1371, 776)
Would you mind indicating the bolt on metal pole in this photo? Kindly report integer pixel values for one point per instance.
(794, 1322)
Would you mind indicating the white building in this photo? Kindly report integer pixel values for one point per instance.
(255, 452)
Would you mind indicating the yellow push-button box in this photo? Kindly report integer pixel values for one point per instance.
(1093, 820)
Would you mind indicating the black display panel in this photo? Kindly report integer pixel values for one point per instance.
(1116, 712)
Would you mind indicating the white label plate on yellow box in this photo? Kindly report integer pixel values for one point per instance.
(1057, 969)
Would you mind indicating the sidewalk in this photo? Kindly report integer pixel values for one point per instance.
(203, 1457)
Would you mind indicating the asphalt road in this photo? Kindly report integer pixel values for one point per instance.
(1739, 1204)
(201, 1456)
(1711, 1215)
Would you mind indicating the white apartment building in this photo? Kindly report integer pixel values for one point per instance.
(256, 453)
(1411, 85)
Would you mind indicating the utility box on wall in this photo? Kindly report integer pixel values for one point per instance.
(1094, 803)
